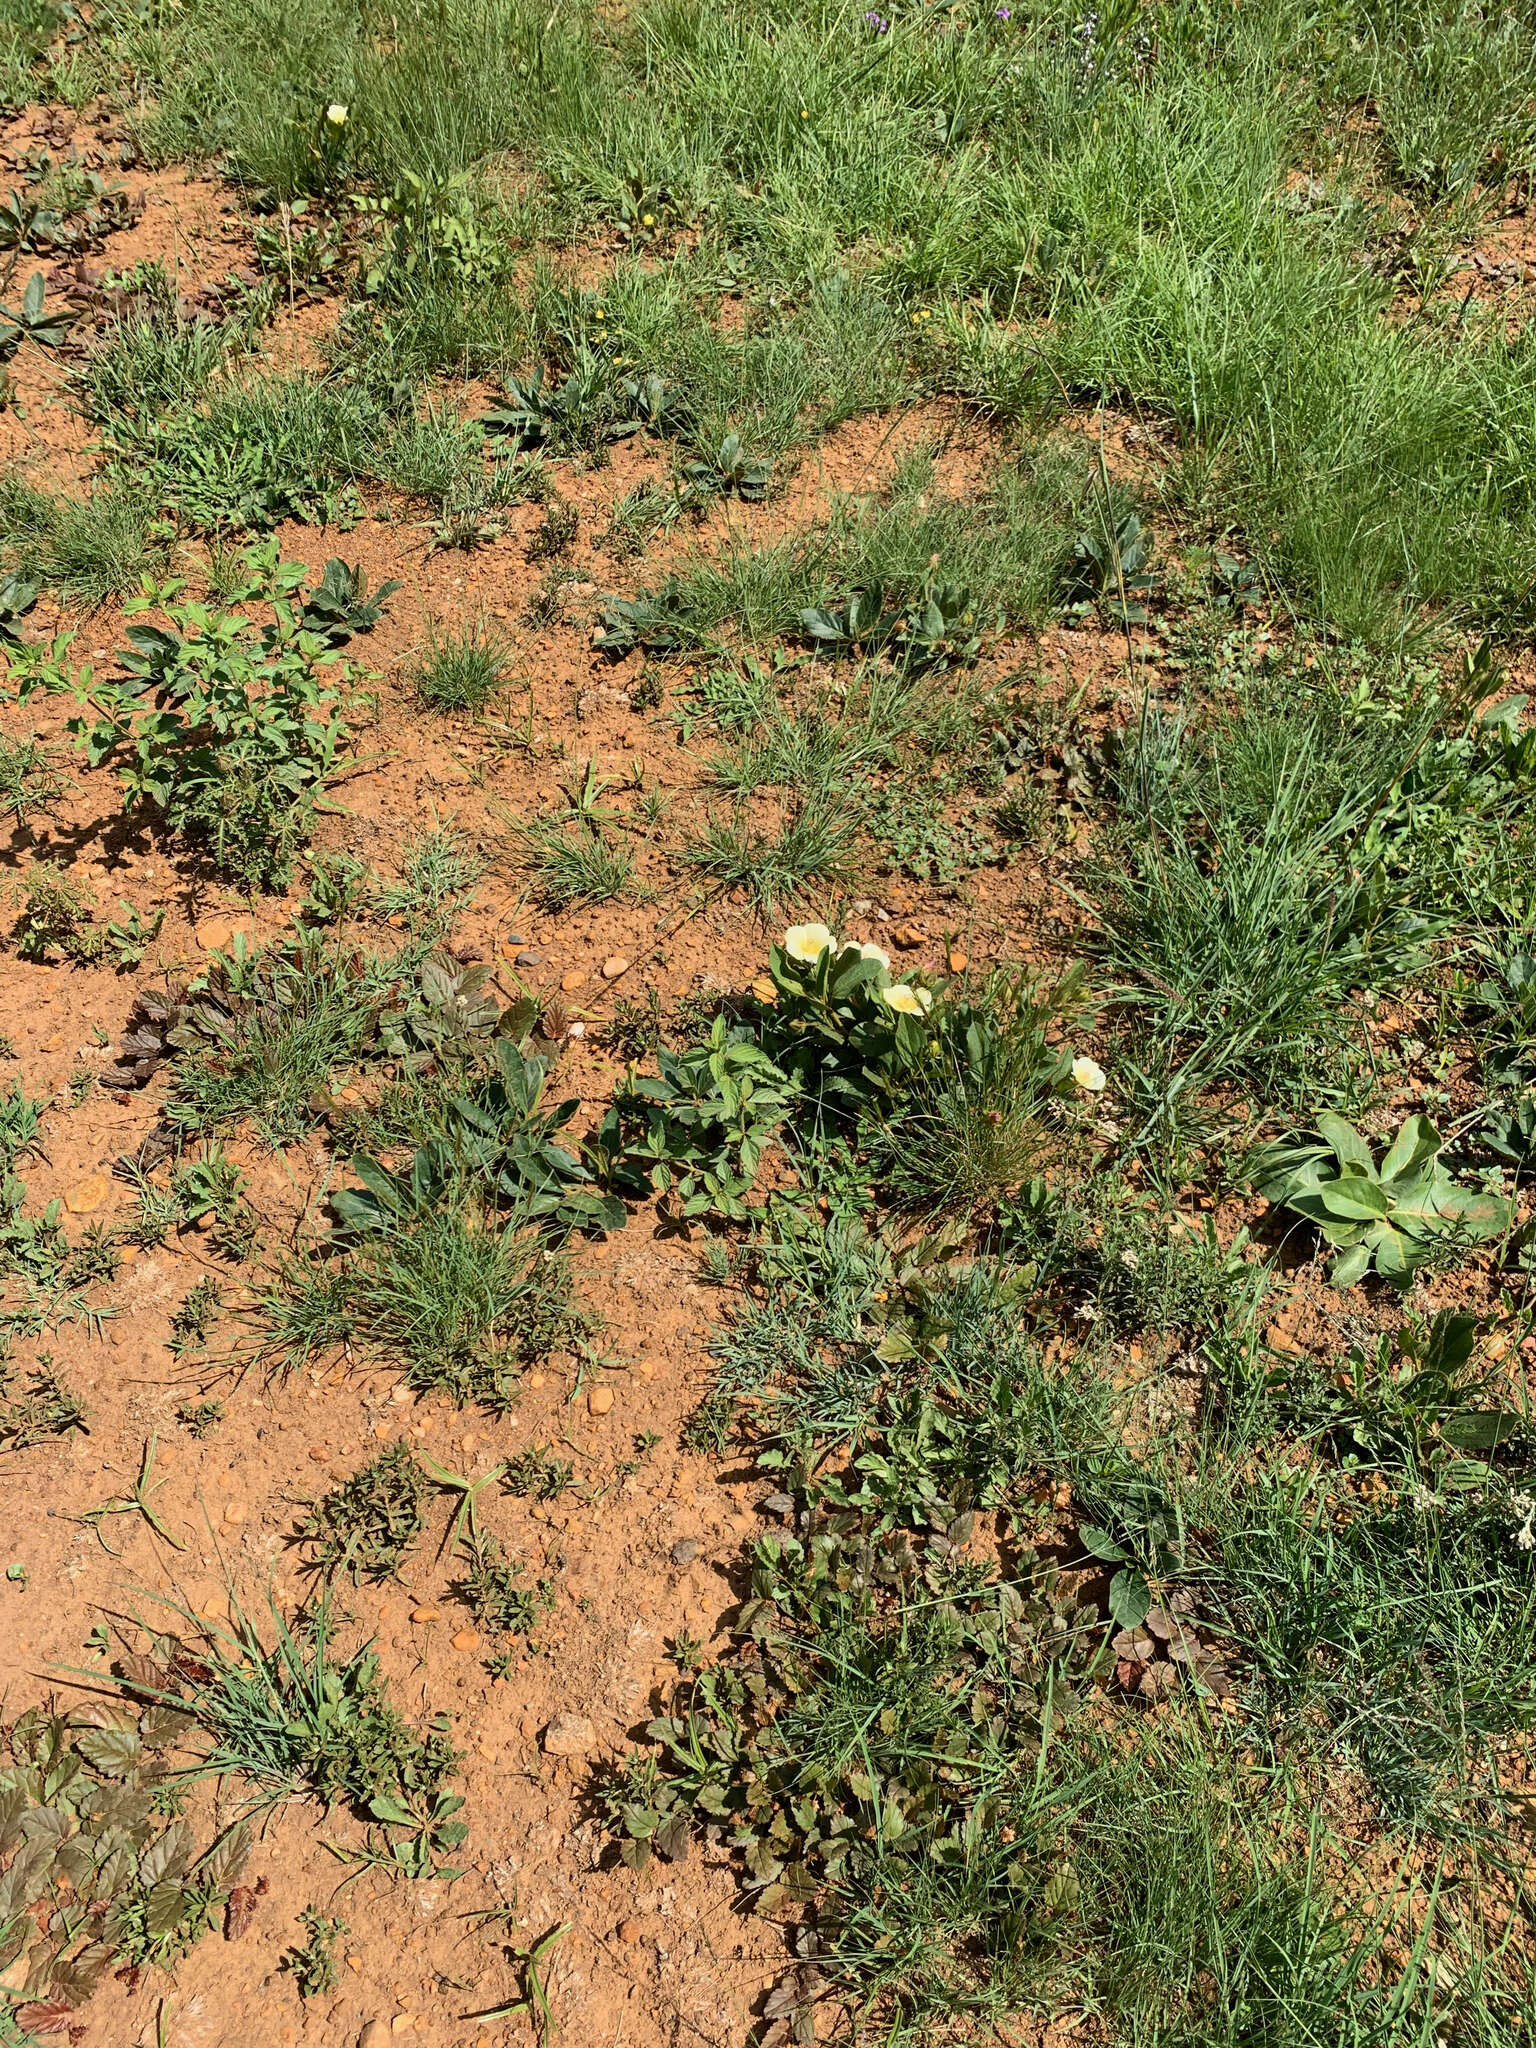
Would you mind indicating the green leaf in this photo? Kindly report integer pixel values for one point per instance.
(1099, 1543)
(1346, 1143)
(1416, 1143)
(112, 1750)
(1480, 1429)
(1351, 1266)
(1129, 1598)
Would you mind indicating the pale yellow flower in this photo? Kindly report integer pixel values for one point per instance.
(336, 114)
(1088, 1074)
(908, 1001)
(807, 942)
(868, 953)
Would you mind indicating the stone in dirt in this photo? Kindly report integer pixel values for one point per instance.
(614, 967)
(570, 1735)
(374, 2035)
(600, 1400)
(685, 1550)
(574, 979)
(907, 936)
(217, 934)
(88, 1194)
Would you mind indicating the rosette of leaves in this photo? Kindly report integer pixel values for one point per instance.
(500, 1137)
(695, 1131)
(872, 1747)
(729, 469)
(341, 604)
(653, 621)
(1393, 1216)
(937, 626)
(451, 1004)
(93, 1874)
(1419, 1403)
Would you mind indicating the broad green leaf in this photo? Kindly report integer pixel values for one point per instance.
(1129, 1598)
(1347, 1145)
(1351, 1266)
(1353, 1200)
(1417, 1142)
(1099, 1543)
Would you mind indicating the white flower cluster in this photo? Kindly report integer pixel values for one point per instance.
(1521, 1509)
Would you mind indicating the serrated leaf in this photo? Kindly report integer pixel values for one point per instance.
(222, 1864)
(168, 1855)
(46, 2016)
(164, 1906)
(113, 1750)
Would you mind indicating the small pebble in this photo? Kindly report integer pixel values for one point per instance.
(574, 979)
(629, 1931)
(685, 1550)
(467, 1639)
(614, 966)
(569, 1735)
(424, 1614)
(600, 1400)
(319, 1453)
(528, 960)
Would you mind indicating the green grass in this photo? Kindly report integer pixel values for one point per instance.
(292, 1718)
(462, 668)
(571, 863)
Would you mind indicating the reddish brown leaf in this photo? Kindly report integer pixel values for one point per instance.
(239, 1911)
(142, 1674)
(45, 2016)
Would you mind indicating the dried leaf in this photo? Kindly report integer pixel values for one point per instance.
(239, 1911)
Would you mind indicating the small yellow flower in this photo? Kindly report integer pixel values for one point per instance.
(647, 220)
(805, 113)
(599, 314)
(336, 114)
(807, 942)
(1088, 1074)
(906, 1000)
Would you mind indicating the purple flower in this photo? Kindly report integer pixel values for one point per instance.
(1004, 13)
(878, 23)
